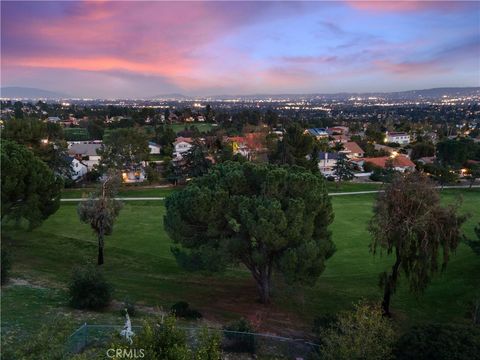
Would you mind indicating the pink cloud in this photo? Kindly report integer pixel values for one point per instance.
(406, 5)
(410, 68)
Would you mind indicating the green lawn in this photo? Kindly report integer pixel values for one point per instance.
(139, 191)
(139, 263)
(201, 126)
(124, 192)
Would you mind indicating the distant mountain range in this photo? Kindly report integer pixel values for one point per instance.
(18, 92)
(435, 93)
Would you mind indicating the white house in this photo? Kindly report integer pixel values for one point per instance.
(397, 137)
(79, 169)
(154, 147)
(327, 161)
(86, 152)
(182, 145)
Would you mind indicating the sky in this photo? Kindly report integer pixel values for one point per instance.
(133, 49)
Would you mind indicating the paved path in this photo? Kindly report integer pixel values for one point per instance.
(331, 194)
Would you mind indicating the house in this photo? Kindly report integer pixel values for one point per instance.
(154, 147)
(86, 152)
(318, 133)
(181, 146)
(397, 137)
(352, 150)
(338, 130)
(54, 119)
(249, 145)
(385, 148)
(132, 176)
(400, 162)
(327, 161)
(340, 138)
(79, 169)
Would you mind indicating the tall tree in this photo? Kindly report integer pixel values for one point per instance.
(46, 140)
(196, 161)
(101, 210)
(96, 129)
(30, 190)
(410, 222)
(293, 148)
(343, 169)
(265, 217)
(124, 149)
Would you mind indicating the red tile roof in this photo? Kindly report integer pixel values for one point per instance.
(398, 161)
(353, 147)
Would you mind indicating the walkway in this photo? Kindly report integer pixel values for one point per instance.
(331, 194)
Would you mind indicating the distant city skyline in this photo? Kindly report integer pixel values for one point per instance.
(134, 49)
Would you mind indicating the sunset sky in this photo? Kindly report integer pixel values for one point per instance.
(138, 49)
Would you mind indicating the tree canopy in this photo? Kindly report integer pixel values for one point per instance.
(101, 210)
(124, 148)
(30, 190)
(265, 217)
(410, 222)
(293, 148)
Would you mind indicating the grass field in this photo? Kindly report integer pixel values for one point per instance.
(201, 126)
(139, 191)
(81, 134)
(139, 263)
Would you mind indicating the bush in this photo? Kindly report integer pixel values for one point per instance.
(182, 309)
(5, 266)
(363, 333)
(439, 342)
(88, 288)
(160, 339)
(235, 341)
(208, 345)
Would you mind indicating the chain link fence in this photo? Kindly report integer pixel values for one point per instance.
(233, 342)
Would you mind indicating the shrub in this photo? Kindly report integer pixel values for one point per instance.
(208, 345)
(182, 309)
(88, 288)
(5, 266)
(235, 341)
(439, 342)
(160, 339)
(359, 334)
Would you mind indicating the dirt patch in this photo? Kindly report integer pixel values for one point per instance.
(269, 319)
(23, 282)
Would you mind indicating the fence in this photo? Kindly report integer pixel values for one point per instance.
(90, 336)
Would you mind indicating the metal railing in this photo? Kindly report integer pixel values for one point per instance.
(96, 336)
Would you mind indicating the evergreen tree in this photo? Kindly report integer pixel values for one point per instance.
(30, 190)
(266, 217)
(343, 169)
